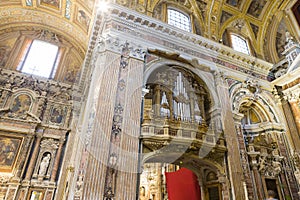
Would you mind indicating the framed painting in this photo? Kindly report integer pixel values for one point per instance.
(9, 151)
(51, 3)
(82, 19)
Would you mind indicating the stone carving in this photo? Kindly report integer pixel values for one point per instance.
(262, 163)
(238, 24)
(253, 86)
(276, 167)
(48, 36)
(127, 49)
(270, 165)
(49, 144)
(288, 37)
(44, 165)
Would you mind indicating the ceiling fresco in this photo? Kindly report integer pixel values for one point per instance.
(261, 21)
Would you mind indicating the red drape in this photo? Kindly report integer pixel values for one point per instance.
(182, 185)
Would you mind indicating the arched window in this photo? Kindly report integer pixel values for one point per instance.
(239, 43)
(40, 59)
(179, 19)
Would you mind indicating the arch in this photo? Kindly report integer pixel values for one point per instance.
(154, 65)
(163, 157)
(28, 104)
(159, 10)
(242, 96)
(242, 28)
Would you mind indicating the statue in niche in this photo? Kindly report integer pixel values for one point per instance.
(44, 165)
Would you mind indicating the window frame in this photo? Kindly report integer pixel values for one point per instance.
(181, 11)
(244, 39)
(25, 52)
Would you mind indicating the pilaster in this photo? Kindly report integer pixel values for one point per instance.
(111, 124)
(234, 161)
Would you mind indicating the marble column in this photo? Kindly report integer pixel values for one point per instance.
(258, 181)
(57, 158)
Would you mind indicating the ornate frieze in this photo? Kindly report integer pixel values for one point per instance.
(27, 98)
(118, 44)
(157, 32)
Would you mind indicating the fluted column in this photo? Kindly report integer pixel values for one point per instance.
(34, 156)
(57, 158)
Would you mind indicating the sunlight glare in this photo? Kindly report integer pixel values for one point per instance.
(103, 5)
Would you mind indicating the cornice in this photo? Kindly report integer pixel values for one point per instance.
(153, 33)
(127, 25)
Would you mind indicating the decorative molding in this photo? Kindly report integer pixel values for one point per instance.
(143, 27)
(118, 44)
(22, 15)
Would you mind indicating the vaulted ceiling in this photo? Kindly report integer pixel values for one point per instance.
(263, 22)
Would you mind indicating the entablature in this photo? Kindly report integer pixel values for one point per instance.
(151, 33)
